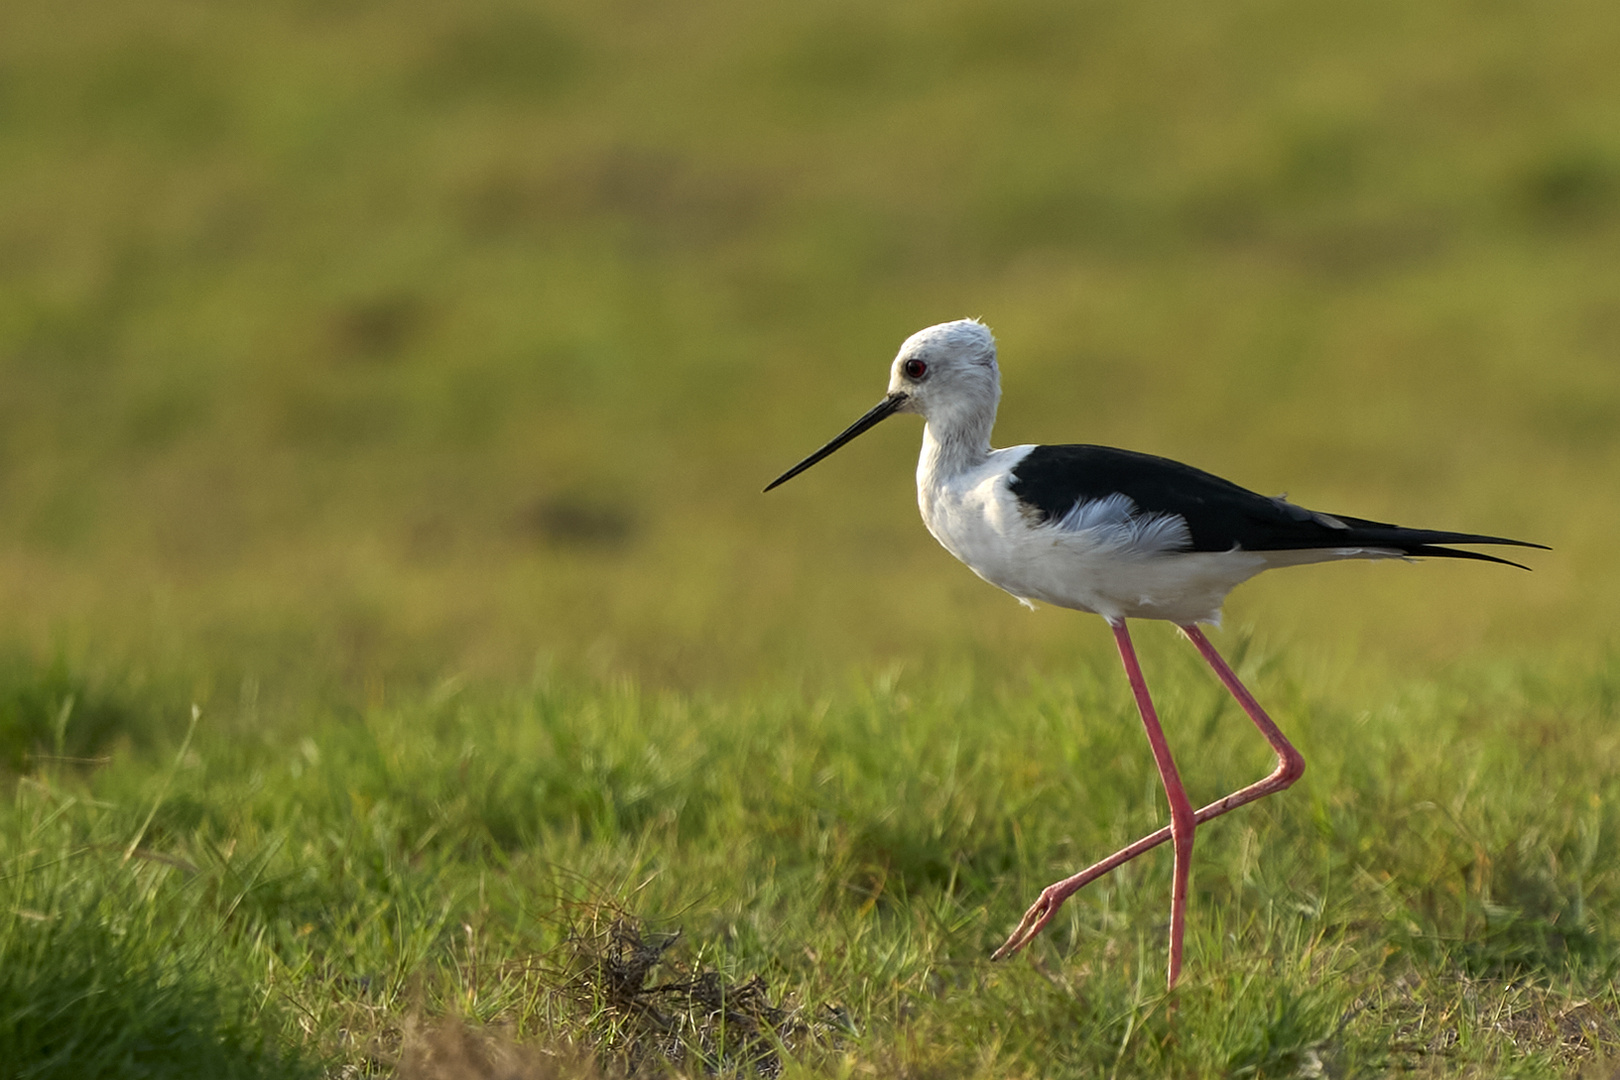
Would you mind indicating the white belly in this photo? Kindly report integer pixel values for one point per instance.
(1074, 571)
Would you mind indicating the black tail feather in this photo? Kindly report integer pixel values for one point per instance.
(1422, 551)
(1420, 543)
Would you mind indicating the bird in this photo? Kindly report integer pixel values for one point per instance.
(1121, 534)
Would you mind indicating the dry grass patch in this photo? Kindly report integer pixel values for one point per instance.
(614, 1000)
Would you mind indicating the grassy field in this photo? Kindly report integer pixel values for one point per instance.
(397, 648)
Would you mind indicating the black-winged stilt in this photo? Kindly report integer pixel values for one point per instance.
(1121, 534)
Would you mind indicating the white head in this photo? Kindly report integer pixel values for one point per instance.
(948, 374)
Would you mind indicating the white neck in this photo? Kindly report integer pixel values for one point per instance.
(953, 445)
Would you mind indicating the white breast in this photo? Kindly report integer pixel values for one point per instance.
(1100, 557)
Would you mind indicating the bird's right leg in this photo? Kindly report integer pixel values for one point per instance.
(1290, 762)
(1290, 766)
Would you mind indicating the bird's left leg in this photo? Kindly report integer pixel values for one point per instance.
(1182, 824)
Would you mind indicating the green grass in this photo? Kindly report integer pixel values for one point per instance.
(396, 382)
(112, 970)
(1439, 893)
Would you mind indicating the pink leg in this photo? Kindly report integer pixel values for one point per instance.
(1290, 763)
(1182, 823)
(1290, 766)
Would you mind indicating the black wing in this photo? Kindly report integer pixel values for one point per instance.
(1051, 480)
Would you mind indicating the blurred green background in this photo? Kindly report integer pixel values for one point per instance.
(358, 344)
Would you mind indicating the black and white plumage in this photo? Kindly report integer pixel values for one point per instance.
(1119, 533)
(1209, 513)
(1122, 534)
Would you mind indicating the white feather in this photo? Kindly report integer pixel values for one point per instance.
(1116, 522)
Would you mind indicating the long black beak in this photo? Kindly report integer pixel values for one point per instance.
(881, 411)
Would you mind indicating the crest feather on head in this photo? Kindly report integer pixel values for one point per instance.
(969, 339)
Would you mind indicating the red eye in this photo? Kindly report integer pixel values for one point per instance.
(914, 369)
